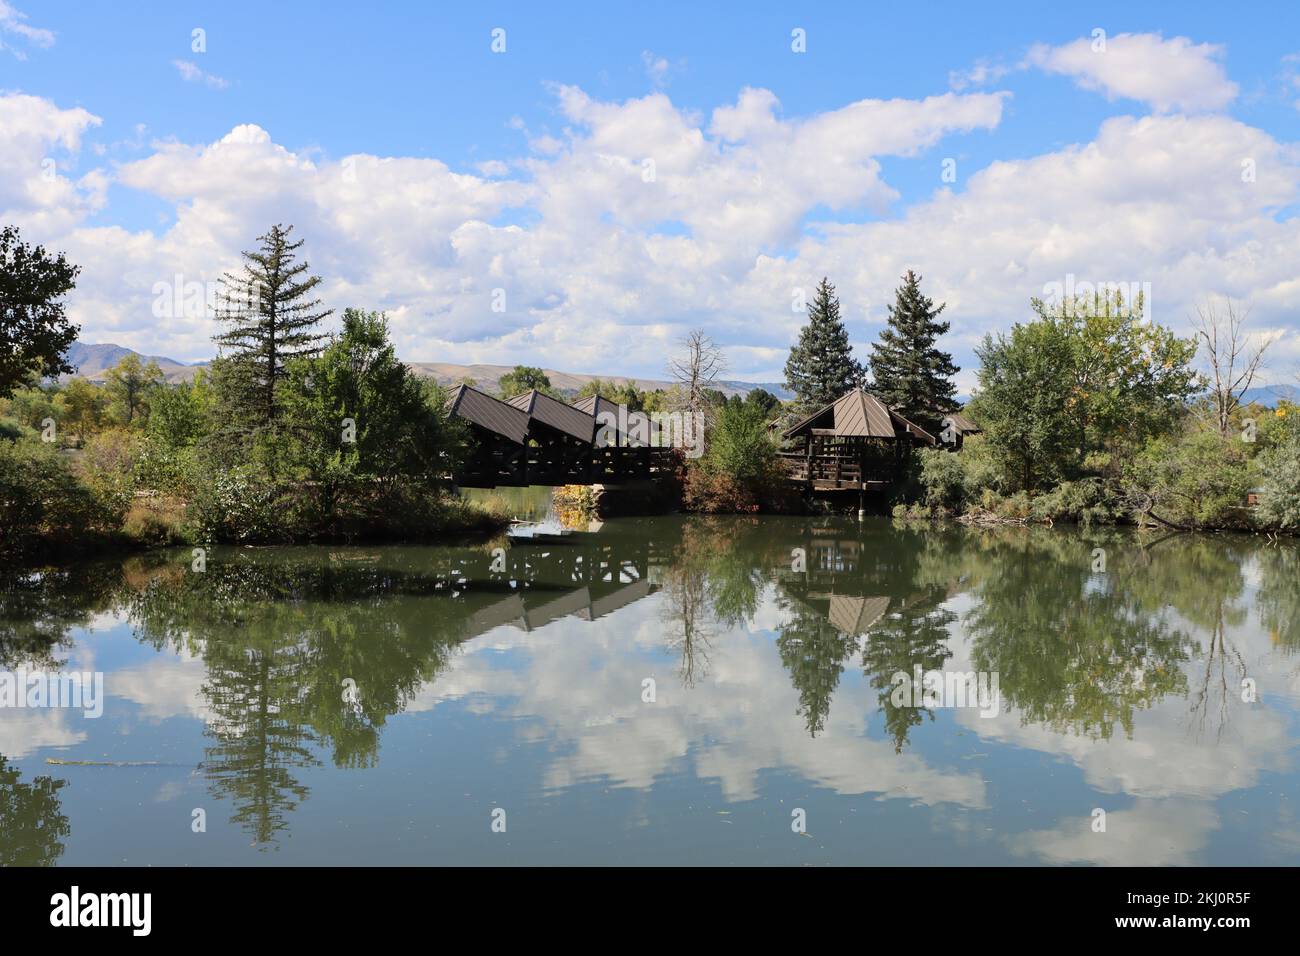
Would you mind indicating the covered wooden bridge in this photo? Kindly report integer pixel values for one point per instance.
(535, 439)
(856, 443)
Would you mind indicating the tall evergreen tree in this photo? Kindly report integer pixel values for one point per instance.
(272, 318)
(821, 366)
(911, 374)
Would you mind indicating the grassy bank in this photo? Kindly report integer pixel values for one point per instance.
(54, 503)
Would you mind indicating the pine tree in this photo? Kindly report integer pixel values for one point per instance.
(821, 366)
(272, 319)
(911, 374)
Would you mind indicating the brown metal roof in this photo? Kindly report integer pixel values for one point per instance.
(598, 405)
(856, 615)
(963, 424)
(553, 412)
(911, 428)
(490, 413)
(855, 414)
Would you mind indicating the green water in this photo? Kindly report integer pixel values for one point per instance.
(666, 690)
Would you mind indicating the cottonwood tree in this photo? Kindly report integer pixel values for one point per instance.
(696, 372)
(524, 378)
(1077, 381)
(1233, 356)
(272, 316)
(821, 366)
(35, 334)
(909, 372)
(129, 385)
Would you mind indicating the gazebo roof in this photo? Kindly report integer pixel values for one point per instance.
(851, 614)
(859, 414)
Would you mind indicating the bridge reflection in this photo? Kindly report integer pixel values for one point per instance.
(278, 631)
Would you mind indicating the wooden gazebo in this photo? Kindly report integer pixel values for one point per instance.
(855, 443)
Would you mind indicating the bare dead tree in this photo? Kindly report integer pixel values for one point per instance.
(1234, 356)
(696, 370)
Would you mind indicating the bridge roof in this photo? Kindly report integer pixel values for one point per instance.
(598, 405)
(489, 413)
(551, 411)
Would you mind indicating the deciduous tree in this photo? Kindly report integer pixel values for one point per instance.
(35, 333)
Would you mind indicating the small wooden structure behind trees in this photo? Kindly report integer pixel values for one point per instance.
(956, 426)
(856, 443)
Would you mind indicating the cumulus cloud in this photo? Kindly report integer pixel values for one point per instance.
(638, 219)
(657, 68)
(191, 73)
(38, 147)
(1169, 75)
(13, 23)
(982, 73)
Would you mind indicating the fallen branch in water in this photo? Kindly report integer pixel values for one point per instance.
(982, 516)
(108, 763)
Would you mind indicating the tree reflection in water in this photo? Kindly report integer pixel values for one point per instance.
(281, 631)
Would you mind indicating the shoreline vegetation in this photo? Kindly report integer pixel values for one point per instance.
(1087, 412)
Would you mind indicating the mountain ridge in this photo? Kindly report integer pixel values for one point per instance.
(93, 360)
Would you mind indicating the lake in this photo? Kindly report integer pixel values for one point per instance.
(670, 690)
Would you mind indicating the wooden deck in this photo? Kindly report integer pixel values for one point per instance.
(826, 472)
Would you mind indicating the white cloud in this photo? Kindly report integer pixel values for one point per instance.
(982, 73)
(606, 258)
(191, 73)
(1169, 75)
(656, 67)
(13, 23)
(38, 147)
(714, 727)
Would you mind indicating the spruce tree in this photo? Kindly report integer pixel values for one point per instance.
(912, 375)
(272, 317)
(821, 366)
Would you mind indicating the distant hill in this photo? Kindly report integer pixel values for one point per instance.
(487, 377)
(1270, 395)
(94, 361)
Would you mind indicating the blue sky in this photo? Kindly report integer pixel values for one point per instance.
(597, 280)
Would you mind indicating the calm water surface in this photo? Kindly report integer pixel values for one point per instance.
(516, 681)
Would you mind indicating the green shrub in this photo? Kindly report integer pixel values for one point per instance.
(741, 473)
(740, 446)
(238, 505)
(943, 477)
(1087, 501)
(44, 505)
(156, 521)
(1197, 480)
(1279, 486)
